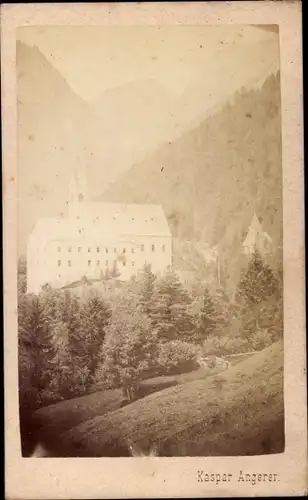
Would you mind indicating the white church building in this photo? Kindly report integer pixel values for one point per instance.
(96, 237)
(257, 239)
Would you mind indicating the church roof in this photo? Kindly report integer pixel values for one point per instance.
(108, 221)
(255, 224)
(128, 218)
(255, 229)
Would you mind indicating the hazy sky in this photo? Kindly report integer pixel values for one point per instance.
(93, 59)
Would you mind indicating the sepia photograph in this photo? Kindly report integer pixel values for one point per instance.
(154, 250)
(150, 311)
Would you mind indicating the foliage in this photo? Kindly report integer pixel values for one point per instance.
(59, 340)
(147, 281)
(30, 334)
(94, 317)
(22, 275)
(171, 314)
(177, 356)
(69, 344)
(190, 419)
(207, 319)
(257, 294)
(261, 339)
(258, 282)
(223, 345)
(128, 351)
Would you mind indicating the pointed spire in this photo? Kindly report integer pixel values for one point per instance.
(255, 223)
(257, 238)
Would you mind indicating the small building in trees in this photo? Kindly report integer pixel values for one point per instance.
(257, 240)
(95, 239)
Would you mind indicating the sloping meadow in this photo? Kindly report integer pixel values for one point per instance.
(238, 412)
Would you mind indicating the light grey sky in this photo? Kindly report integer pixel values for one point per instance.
(93, 59)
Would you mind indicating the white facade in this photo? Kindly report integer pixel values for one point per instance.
(96, 237)
(257, 239)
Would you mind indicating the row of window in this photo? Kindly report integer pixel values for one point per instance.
(98, 263)
(153, 248)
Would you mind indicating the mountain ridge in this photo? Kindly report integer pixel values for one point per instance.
(216, 176)
(57, 131)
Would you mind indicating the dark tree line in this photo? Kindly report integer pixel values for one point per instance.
(69, 345)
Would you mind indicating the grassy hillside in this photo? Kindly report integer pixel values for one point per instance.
(61, 416)
(239, 412)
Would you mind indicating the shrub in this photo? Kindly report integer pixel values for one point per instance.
(127, 353)
(261, 339)
(218, 346)
(177, 356)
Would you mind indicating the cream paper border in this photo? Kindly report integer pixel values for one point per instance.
(165, 477)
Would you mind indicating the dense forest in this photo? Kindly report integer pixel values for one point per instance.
(72, 344)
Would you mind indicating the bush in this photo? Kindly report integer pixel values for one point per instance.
(261, 339)
(127, 353)
(220, 346)
(177, 356)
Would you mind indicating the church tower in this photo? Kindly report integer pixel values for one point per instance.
(257, 239)
(78, 194)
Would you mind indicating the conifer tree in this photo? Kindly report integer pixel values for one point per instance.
(30, 331)
(94, 317)
(171, 314)
(208, 317)
(69, 310)
(49, 303)
(254, 292)
(147, 288)
(258, 282)
(128, 351)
